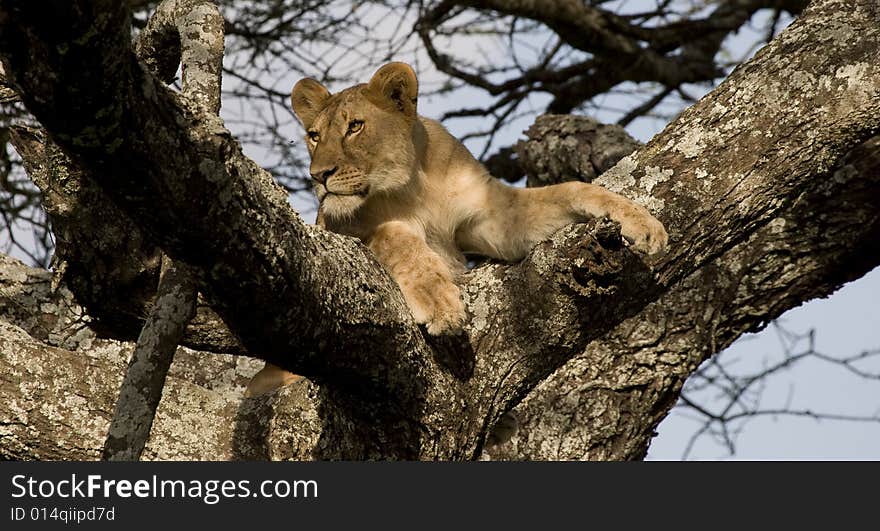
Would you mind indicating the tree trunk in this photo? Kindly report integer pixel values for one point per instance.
(752, 184)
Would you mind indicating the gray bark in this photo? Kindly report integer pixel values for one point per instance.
(626, 382)
(100, 254)
(144, 379)
(188, 33)
(319, 305)
(60, 381)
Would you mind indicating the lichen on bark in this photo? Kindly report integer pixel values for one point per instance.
(722, 173)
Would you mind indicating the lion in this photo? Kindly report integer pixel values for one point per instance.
(415, 195)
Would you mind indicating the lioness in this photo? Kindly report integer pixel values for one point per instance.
(417, 197)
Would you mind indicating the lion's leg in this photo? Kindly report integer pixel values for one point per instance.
(423, 276)
(637, 225)
(268, 379)
(517, 219)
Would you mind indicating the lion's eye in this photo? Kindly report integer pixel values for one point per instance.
(355, 126)
(314, 137)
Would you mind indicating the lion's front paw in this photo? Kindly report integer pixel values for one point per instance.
(644, 232)
(438, 306)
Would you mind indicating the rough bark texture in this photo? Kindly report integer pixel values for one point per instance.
(144, 380)
(60, 381)
(192, 31)
(571, 148)
(100, 254)
(607, 401)
(189, 34)
(750, 154)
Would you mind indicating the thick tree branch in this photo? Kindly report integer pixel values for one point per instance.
(628, 380)
(184, 180)
(100, 254)
(564, 148)
(58, 404)
(711, 177)
(198, 38)
(187, 33)
(110, 266)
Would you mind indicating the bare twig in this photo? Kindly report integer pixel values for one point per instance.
(739, 396)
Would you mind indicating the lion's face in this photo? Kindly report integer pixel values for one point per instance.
(361, 139)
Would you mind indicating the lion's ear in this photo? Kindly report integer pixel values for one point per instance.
(307, 99)
(394, 86)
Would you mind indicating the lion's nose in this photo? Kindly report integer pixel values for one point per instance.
(321, 176)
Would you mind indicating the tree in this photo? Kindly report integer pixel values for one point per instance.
(765, 186)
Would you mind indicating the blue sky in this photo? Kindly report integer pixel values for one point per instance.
(845, 323)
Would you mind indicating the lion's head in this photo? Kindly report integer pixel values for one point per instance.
(360, 139)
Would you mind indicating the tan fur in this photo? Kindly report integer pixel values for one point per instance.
(269, 378)
(415, 195)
